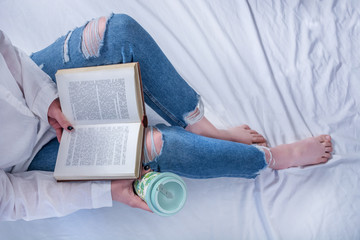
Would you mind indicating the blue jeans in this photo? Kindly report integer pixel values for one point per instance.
(165, 91)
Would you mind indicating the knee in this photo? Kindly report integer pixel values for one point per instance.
(102, 26)
(158, 143)
(92, 37)
(125, 24)
(124, 19)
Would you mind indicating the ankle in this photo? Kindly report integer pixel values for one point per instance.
(285, 156)
(269, 157)
(225, 134)
(205, 128)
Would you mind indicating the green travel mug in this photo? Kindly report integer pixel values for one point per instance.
(164, 193)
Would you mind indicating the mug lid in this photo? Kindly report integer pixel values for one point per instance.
(166, 195)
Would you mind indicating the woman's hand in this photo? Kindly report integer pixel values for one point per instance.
(122, 191)
(57, 119)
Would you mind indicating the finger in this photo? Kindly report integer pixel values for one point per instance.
(61, 119)
(64, 123)
(145, 170)
(137, 202)
(56, 113)
(57, 127)
(58, 133)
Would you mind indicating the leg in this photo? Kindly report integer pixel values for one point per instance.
(175, 150)
(121, 39)
(309, 151)
(45, 159)
(241, 134)
(196, 156)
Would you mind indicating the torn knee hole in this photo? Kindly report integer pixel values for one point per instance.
(92, 37)
(153, 144)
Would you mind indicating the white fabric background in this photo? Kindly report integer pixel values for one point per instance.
(290, 69)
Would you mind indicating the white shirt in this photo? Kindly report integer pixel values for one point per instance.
(26, 93)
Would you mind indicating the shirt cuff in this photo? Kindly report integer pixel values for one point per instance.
(101, 194)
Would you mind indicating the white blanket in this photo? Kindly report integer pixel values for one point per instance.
(290, 69)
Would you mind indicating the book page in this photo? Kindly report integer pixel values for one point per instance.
(98, 97)
(101, 150)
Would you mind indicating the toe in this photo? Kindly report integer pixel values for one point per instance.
(322, 138)
(324, 160)
(327, 155)
(328, 149)
(245, 126)
(258, 138)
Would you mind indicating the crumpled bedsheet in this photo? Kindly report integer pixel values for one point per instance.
(290, 69)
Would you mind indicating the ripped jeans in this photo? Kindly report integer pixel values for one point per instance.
(165, 91)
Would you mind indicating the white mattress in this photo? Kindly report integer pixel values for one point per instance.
(290, 69)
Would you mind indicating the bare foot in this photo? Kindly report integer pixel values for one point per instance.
(309, 151)
(244, 134)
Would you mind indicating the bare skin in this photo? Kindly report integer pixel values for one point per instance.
(310, 151)
(122, 191)
(242, 134)
(101, 31)
(57, 119)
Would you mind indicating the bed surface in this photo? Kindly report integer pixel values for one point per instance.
(290, 69)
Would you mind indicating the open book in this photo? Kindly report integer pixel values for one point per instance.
(105, 105)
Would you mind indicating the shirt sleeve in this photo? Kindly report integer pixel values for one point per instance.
(36, 195)
(39, 91)
(38, 88)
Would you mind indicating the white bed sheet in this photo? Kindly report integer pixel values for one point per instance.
(290, 69)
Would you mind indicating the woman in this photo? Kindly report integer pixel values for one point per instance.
(190, 147)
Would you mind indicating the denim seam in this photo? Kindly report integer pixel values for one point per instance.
(235, 175)
(163, 109)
